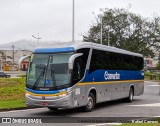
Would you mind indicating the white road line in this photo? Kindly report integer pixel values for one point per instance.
(103, 124)
(156, 116)
(153, 85)
(21, 110)
(15, 77)
(147, 105)
(150, 82)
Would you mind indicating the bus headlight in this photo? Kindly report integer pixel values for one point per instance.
(62, 95)
(27, 94)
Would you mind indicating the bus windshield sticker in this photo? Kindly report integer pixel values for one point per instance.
(48, 82)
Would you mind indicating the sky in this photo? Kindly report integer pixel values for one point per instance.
(20, 19)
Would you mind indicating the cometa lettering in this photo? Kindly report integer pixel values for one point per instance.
(108, 76)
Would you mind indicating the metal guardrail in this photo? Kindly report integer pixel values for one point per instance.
(154, 77)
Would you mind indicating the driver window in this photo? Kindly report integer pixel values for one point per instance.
(77, 71)
(79, 66)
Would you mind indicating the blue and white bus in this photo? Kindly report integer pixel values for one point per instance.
(81, 75)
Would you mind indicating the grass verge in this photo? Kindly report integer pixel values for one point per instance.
(147, 76)
(12, 92)
(22, 75)
(140, 124)
(12, 104)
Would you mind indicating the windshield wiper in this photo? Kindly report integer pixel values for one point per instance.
(39, 77)
(53, 79)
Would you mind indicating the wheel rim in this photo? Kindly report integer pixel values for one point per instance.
(131, 95)
(90, 102)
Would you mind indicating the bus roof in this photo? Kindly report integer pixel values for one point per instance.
(73, 46)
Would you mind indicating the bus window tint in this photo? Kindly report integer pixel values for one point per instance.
(103, 60)
(77, 73)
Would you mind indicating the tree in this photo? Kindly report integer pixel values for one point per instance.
(126, 30)
(158, 65)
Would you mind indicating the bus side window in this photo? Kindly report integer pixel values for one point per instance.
(77, 70)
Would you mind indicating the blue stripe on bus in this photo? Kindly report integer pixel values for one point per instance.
(99, 75)
(54, 50)
(45, 92)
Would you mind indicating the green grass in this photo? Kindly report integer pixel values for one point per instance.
(12, 104)
(22, 75)
(144, 124)
(12, 91)
(148, 74)
(140, 124)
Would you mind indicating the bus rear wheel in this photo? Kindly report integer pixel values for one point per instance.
(90, 103)
(131, 94)
(53, 109)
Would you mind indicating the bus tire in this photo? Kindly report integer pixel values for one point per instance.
(131, 94)
(90, 103)
(53, 109)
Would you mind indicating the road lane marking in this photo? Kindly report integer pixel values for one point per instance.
(147, 105)
(153, 85)
(151, 82)
(156, 116)
(103, 124)
(15, 77)
(21, 110)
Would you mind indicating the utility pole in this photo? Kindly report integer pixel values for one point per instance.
(12, 56)
(73, 22)
(38, 38)
(101, 29)
(101, 24)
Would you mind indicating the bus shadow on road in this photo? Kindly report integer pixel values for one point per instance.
(114, 103)
(69, 112)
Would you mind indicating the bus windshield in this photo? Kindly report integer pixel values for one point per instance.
(49, 71)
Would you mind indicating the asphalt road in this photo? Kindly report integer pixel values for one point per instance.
(15, 73)
(146, 105)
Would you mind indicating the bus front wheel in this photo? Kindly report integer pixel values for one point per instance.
(90, 103)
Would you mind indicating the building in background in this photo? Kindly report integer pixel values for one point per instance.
(24, 65)
(150, 62)
(9, 59)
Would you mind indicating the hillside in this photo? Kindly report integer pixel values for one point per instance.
(23, 45)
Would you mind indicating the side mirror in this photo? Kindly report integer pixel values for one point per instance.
(21, 59)
(72, 58)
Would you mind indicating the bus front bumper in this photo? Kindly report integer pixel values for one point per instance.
(46, 101)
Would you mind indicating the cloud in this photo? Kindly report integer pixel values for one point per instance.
(53, 18)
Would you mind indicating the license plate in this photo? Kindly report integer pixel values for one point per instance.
(44, 103)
